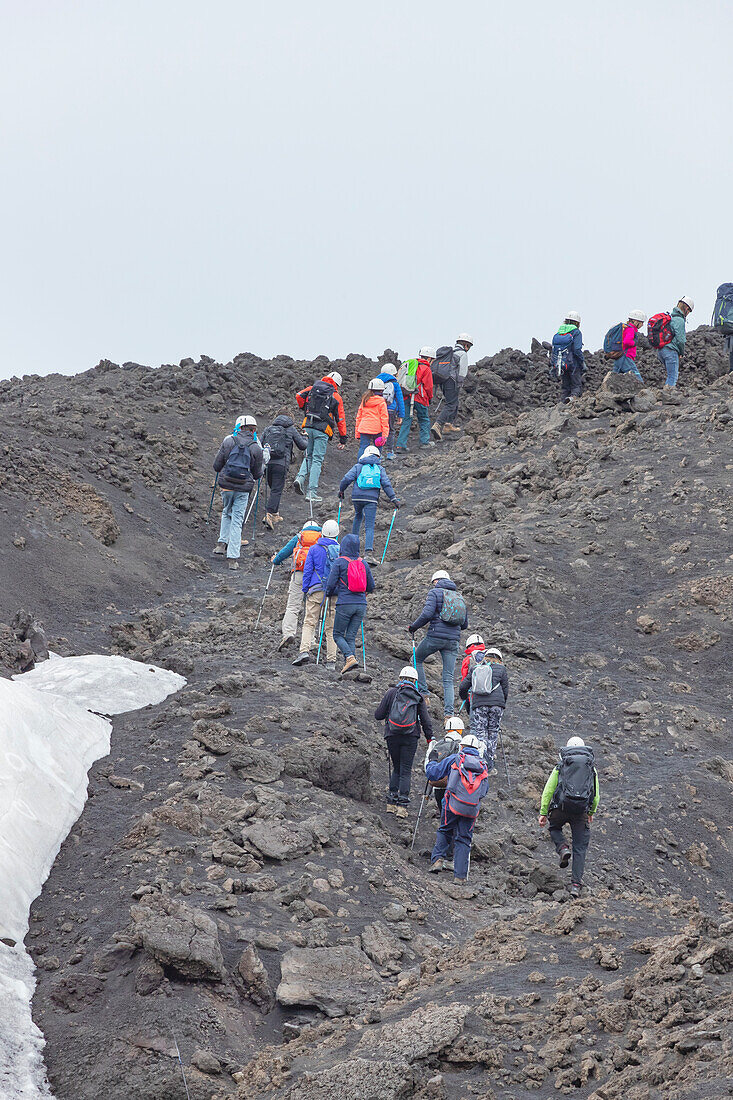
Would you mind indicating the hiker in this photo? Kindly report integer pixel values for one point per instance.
(571, 797)
(392, 394)
(475, 644)
(667, 334)
(319, 559)
(239, 464)
(438, 750)
(372, 417)
(468, 782)
(351, 579)
(279, 438)
(298, 546)
(450, 370)
(416, 381)
(324, 412)
(406, 716)
(445, 611)
(485, 687)
(622, 340)
(566, 357)
(369, 478)
(722, 319)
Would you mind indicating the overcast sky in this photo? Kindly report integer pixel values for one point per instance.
(184, 177)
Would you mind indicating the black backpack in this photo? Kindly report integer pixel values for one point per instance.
(402, 717)
(576, 781)
(318, 405)
(442, 367)
(237, 465)
(277, 438)
(723, 312)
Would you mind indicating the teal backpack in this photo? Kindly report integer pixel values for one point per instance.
(370, 476)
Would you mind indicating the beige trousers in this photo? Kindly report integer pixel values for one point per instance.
(312, 624)
(295, 602)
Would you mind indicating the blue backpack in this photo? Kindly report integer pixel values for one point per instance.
(613, 345)
(560, 353)
(370, 476)
(237, 465)
(723, 312)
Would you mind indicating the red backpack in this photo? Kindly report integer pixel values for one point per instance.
(356, 578)
(659, 330)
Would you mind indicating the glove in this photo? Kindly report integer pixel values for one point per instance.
(341, 496)
(395, 503)
(411, 628)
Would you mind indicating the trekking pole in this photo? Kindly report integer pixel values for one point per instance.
(363, 644)
(250, 506)
(462, 706)
(213, 493)
(338, 517)
(414, 657)
(257, 501)
(180, 1062)
(323, 623)
(506, 769)
(419, 812)
(388, 534)
(262, 603)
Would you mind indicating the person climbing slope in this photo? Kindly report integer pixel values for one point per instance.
(351, 580)
(298, 546)
(567, 357)
(369, 478)
(324, 412)
(395, 401)
(667, 334)
(485, 687)
(445, 612)
(372, 417)
(239, 464)
(405, 715)
(321, 556)
(571, 797)
(468, 782)
(450, 370)
(621, 344)
(279, 438)
(475, 644)
(416, 381)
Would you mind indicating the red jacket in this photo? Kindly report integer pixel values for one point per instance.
(302, 398)
(424, 379)
(467, 659)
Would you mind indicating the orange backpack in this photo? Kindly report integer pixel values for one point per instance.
(306, 539)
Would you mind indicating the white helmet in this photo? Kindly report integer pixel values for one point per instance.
(312, 525)
(573, 315)
(371, 452)
(475, 639)
(464, 338)
(335, 378)
(454, 725)
(468, 741)
(376, 384)
(439, 574)
(686, 300)
(331, 529)
(637, 315)
(427, 352)
(408, 673)
(246, 422)
(575, 743)
(494, 652)
(389, 368)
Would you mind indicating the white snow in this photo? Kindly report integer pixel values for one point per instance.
(48, 741)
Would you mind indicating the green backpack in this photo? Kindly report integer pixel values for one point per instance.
(407, 375)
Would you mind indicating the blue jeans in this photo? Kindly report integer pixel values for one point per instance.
(624, 365)
(458, 831)
(315, 453)
(670, 359)
(349, 617)
(423, 421)
(367, 509)
(364, 442)
(448, 652)
(232, 518)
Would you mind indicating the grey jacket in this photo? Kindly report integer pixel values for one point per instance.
(255, 462)
(460, 364)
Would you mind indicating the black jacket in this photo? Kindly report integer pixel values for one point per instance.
(293, 437)
(424, 722)
(255, 462)
(499, 694)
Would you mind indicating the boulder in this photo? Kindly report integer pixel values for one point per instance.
(180, 937)
(329, 765)
(279, 840)
(336, 980)
(254, 976)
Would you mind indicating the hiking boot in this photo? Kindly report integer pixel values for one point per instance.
(428, 444)
(401, 450)
(349, 665)
(436, 867)
(391, 455)
(219, 550)
(369, 558)
(564, 854)
(313, 497)
(401, 811)
(269, 521)
(437, 431)
(298, 486)
(232, 563)
(391, 808)
(574, 889)
(277, 518)
(286, 641)
(331, 662)
(448, 428)
(459, 881)
(448, 865)
(302, 659)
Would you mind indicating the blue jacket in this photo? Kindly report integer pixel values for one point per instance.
(436, 770)
(398, 405)
(286, 550)
(366, 495)
(315, 570)
(338, 577)
(438, 631)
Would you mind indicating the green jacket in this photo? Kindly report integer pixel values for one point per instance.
(678, 328)
(551, 787)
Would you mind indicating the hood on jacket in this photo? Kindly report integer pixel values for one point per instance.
(370, 460)
(565, 329)
(283, 420)
(350, 546)
(326, 540)
(331, 383)
(242, 435)
(477, 647)
(445, 584)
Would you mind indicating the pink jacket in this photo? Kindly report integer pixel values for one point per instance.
(628, 341)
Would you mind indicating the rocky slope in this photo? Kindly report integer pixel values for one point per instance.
(234, 885)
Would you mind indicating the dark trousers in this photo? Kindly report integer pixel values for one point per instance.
(449, 412)
(402, 748)
(276, 472)
(572, 382)
(580, 830)
(456, 830)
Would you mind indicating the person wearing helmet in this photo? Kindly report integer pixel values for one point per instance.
(392, 394)
(416, 380)
(475, 644)
(278, 441)
(453, 731)
(238, 464)
(485, 689)
(571, 797)
(450, 375)
(669, 356)
(372, 417)
(298, 546)
(626, 363)
(467, 783)
(369, 479)
(566, 356)
(319, 559)
(351, 581)
(324, 412)
(445, 612)
(405, 715)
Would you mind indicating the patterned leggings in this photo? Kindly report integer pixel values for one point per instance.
(485, 723)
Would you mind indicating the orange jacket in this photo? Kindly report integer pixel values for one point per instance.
(372, 417)
(302, 398)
